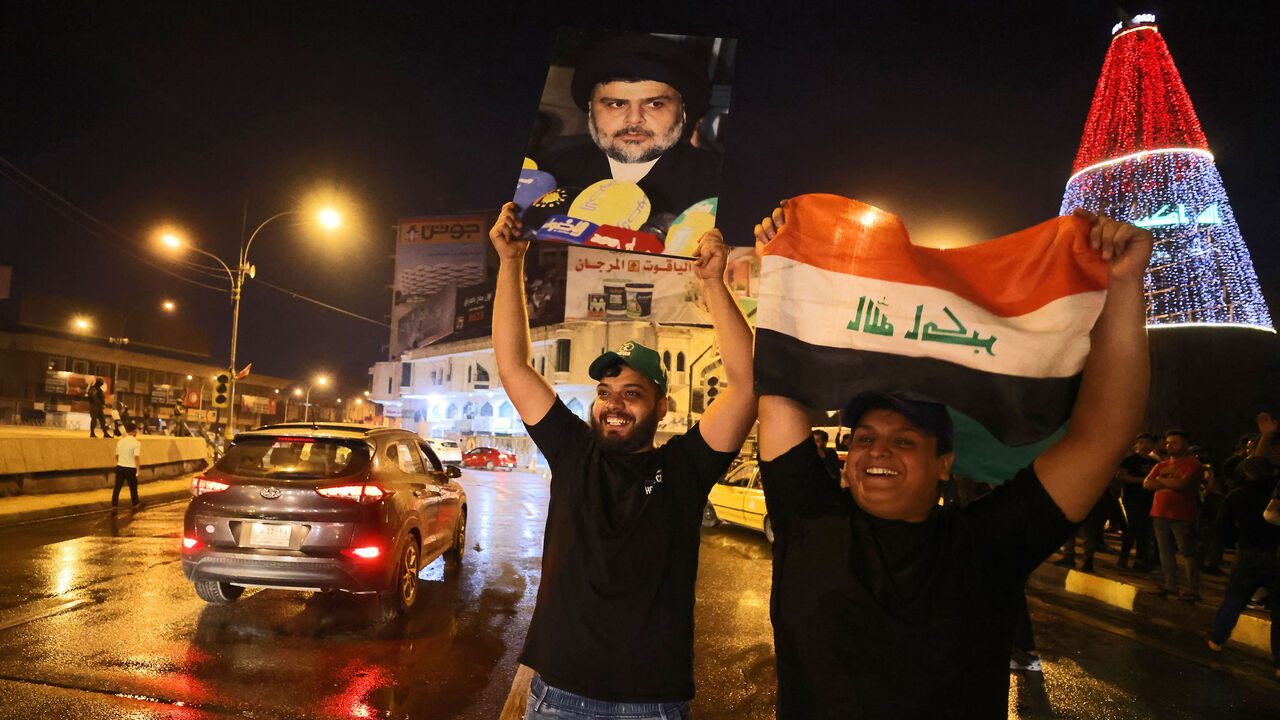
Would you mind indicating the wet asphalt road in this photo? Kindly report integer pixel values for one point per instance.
(96, 621)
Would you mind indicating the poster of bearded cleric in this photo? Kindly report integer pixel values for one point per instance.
(626, 147)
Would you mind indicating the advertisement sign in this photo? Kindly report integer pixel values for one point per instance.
(161, 394)
(434, 257)
(391, 411)
(607, 285)
(627, 142)
(543, 289)
(257, 404)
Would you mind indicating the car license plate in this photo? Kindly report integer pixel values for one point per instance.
(267, 535)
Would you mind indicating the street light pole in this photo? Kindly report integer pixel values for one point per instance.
(236, 286)
(307, 413)
(329, 218)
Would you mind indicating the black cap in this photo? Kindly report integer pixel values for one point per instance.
(928, 416)
(645, 57)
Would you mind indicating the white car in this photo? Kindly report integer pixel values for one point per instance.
(448, 451)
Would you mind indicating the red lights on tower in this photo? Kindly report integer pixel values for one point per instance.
(1140, 102)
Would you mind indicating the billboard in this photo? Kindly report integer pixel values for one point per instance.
(626, 147)
(544, 290)
(434, 257)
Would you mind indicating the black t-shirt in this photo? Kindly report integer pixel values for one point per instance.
(877, 618)
(1138, 465)
(1242, 512)
(614, 616)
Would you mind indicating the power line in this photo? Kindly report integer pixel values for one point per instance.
(124, 244)
(124, 247)
(300, 296)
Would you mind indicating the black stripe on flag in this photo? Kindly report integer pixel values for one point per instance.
(1016, 410)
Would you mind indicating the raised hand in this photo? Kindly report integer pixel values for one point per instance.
(711, 256)
(1126, 246)
(505, 233)
(768, 227)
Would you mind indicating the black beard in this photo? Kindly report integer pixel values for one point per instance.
(638, 440)
(619, 152)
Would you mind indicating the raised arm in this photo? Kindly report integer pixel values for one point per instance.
(784, 423)
(1113, 391)
(528, 391)
(1266, 435)
(726, 423)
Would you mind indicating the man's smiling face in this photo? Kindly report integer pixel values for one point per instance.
(626, 412)
(893, 468)
(635, 122)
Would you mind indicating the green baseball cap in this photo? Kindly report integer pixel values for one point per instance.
(642, 359)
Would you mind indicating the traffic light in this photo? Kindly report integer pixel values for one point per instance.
(222, 390)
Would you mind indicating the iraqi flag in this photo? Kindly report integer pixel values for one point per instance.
(998, 331)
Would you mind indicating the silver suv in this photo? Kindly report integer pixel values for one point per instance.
(323, 507)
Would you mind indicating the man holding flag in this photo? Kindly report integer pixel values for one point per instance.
(883, 604)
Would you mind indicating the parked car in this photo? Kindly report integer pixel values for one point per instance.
(489, 459)
(328, 507)
(738, 498)
(448, 451)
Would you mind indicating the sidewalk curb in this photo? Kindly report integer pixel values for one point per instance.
(20, 517)
(1112, 592)
(1252, 631)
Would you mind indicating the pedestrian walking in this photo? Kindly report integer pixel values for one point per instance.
(1256, 561)
(128, 463)
(97, 402)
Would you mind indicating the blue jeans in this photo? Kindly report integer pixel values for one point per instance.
(1179, 536)
(1253, 569)
(548, 703)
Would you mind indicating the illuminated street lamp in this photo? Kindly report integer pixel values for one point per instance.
(297, 392)
(168, 305)
(81, 322)
(322, 380)
(327, 218)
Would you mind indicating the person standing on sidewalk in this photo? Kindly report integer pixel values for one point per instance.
(612, 629)
(1176, 482)
(97, 403)
(1137, 505)
(1256, 561)
(128, 463)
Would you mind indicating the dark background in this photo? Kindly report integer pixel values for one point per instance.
(962, 120)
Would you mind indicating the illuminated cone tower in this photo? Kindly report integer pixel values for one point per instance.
(1144, 159)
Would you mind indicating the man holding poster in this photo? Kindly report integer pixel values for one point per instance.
(883, 604)
(612, 630)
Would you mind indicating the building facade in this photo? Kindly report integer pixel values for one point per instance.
(155, 370)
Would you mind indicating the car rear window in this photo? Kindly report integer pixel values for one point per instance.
(294, 457)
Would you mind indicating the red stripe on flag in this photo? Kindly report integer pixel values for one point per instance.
(1009, 276)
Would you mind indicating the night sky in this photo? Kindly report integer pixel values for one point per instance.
(964, 122)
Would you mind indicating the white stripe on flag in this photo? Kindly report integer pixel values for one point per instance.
(818, 306)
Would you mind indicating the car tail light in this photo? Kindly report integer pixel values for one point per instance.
(190, 544)
(201, 485)
(366, 493)
(364, 553)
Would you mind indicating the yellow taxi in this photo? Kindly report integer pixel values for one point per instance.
(738, 499)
